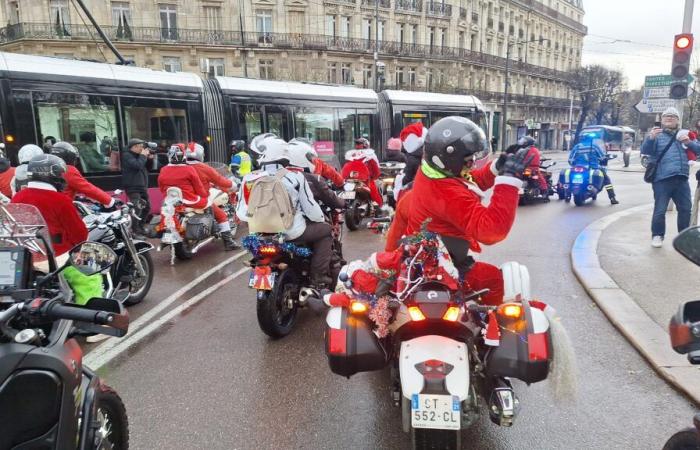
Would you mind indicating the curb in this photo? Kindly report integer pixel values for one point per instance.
(650, 339)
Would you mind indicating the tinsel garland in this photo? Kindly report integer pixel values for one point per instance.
(252, 243)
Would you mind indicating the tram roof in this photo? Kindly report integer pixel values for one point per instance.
(433, 99)
(294, 90)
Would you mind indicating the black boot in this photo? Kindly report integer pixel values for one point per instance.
(229, 242)
(611, 196)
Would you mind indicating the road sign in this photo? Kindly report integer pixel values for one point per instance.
(655, 105)
(662, 91)
(651, 81)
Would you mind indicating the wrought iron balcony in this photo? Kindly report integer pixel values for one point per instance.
(372, 3)
(438, 9)
(295, 41)
(409, 5)
(553, 14)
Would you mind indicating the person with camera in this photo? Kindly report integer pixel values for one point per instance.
(135, 180)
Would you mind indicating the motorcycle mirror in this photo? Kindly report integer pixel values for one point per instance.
(91, 258)
(688, 244)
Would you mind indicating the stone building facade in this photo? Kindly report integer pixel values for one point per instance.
(457, 46)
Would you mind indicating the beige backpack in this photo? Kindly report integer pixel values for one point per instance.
(270, 208)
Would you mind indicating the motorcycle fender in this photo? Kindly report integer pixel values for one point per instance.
(143, 246)
(89, 386)
(424, 348)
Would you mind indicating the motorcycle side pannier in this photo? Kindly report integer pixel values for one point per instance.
(199, 227)
(351, 346)
(525, 349)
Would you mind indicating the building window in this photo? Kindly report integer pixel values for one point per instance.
(172, 64)
(400, 80)
(414, 34)
(346, 73)
(13, 12)
(345, 26)
(443, 37)
(366, 29)
(429, 79)
(381, 30)
(431, 36)
(212, 15)
(332, 70)
(263, 21)
(400, 30)
(461, 42)
(214, 67)
(168, 22)
(266, 69)
(60, 16)
(412, 77)
(121, 14)
(367, 76)
(295, 22)
(331, 29)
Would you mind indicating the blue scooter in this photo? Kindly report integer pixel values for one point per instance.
(581, 182)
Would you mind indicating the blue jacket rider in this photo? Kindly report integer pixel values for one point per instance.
(589, 153)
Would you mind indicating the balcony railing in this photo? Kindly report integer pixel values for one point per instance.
(438, 9)
(372, 3)
(296, 41)
(551, 13)
(409, 5)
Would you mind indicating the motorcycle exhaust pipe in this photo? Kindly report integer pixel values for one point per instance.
(202, 244)
(306, 293)
(503, 404)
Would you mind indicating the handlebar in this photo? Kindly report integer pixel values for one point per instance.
(57, 311)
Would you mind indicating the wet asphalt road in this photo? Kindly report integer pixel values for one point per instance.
(211, 379)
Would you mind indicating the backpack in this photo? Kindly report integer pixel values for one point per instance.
(270, 208)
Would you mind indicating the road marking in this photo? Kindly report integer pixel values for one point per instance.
(151, 313)
(94, 360)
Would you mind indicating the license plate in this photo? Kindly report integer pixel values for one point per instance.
(261, 278)
(348, 195)
(440, 412)
(577, 180)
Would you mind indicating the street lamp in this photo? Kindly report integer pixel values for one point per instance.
(505, 90)
(571, 112)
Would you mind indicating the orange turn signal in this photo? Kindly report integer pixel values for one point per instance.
(358, 307)
(9, 138)
(511, 310)
(452, 314)
(415, 313)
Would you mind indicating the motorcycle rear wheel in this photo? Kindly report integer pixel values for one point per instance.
(111, 416)
(352, 216)
(580, 199)
(138, 288)
(426, 439)
(274, 317)
(687, 439)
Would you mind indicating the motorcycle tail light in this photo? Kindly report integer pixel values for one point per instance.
(358, 307)
(452, 314)
(537, 346)
(415, 313)
(268, 250)
(511, 310)
(337, 341)
(434, 369)
(578, 169)
(527, 172)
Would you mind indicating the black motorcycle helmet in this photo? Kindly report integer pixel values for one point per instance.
(450, 141)
(66, 152)
(48, 169)
(236, 146)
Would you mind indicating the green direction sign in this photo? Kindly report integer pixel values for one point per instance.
(662, 80)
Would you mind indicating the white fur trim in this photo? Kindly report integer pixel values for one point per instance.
(413, 143)
(475, 189)
(510, 181)
(41, 185)
(493, 168)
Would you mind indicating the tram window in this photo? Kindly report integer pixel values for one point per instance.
(318, 125)
(346, 119)
(435, 116)
(276, 121)
(84, 121)
(250, 121)
(161, 121)
(365, 125)
(413, 117)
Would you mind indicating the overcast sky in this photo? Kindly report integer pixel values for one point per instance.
(649, 24)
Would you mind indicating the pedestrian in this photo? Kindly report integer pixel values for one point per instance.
(668, 172)
(135, 181)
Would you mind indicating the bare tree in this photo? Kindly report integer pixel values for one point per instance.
(598, 86)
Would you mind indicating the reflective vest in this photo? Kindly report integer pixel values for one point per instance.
(246, 163)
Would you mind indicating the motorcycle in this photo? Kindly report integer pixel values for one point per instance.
(48, 399)
(685, 336)
(134, 269)
(230, 207)
(390, 170)
(531, 190)
(358, 200)
(281, 275)
(186, 230)
(443, 366)
(581, 182)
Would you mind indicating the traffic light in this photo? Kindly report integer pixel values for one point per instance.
(682, 48)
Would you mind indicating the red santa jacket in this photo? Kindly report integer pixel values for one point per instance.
(456, 210)
(210, 177)
(65, 225)
(400, 222)
(77, 184)
(374, 170)
(360, 169)
(184, 177)
(536, 157)
(328, 172)
(6, 182)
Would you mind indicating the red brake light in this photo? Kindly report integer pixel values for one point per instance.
(578, 169)
(337, 344)
(434, 369)
(527, 172)
(268, 250)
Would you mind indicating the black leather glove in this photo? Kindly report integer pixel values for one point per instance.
(516, 164)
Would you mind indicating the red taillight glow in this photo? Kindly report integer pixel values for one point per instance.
(415, 313)
(511, 310)
(358, 307)
(452, 314)
(527, 172)
(537, 346)
(578, 169)
(268, 250)
(337, 341)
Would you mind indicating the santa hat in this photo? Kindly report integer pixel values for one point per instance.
(413, 137)
(692, 135)
(492, 334)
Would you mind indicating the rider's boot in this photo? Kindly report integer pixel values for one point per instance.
(611, 195)
(229, 242)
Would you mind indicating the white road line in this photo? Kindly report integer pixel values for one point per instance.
(157, 309)
(96, 360)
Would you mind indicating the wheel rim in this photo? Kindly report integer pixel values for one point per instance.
(283, 313)
(104, 433)
(138, 284)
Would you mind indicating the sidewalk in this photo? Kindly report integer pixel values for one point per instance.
(639, 287)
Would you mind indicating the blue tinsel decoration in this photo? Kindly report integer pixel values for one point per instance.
(252, 243)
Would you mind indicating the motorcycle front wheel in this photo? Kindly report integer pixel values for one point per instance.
(352, 216)
(426, 439)
(684, 440)
(139, 286)
(113, 431)
(275, 317)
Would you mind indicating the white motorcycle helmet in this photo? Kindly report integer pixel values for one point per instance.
(27, 152)
(194, 151)
(300, 153)
(276, 151)
(258, 146)
(355, 155)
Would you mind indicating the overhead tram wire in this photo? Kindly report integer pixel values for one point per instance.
(92, 36)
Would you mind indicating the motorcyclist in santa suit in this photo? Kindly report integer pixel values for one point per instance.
(194, 153)
(179, 174)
